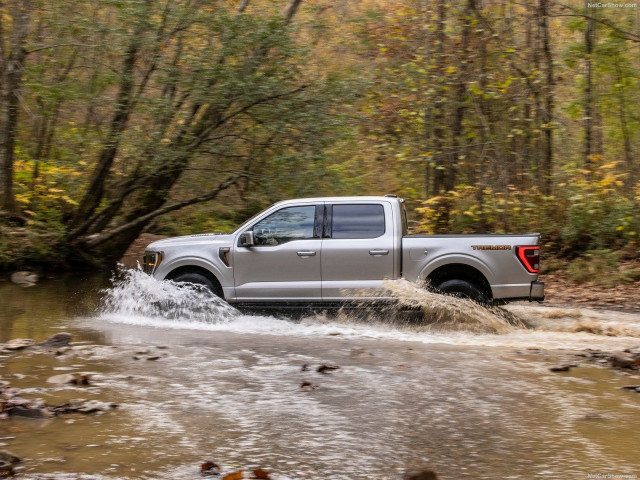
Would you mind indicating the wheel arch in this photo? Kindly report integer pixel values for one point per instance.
(460, 271)
(200, 270)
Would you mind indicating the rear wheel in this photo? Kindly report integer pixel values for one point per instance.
(198, 279)
(462, 289)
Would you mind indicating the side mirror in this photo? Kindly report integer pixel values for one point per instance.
(246, 239)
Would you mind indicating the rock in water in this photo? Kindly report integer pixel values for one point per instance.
(424, 473)
(327, 368)
(56, 341)
(6, 470)
(7, 456)
(24, 279)
(18, 343)
(209, 468)
(622, 360)
(62, 379)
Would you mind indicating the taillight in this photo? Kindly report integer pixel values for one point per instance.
(530, 257)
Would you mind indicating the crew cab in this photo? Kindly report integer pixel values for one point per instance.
(332, 250)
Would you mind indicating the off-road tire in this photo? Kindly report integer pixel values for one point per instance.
(198, 279)
(462, 289)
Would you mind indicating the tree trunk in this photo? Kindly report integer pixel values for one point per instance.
(13, 69)
(547, 161)
(439, 103)
(124, 105)
(589, 32)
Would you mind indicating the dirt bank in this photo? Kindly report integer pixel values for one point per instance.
(563, 292)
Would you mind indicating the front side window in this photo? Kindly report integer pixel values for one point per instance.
(357, 221)
(292, 223)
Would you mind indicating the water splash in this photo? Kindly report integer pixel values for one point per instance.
(136, 294)
(418, 315)
(447, 313)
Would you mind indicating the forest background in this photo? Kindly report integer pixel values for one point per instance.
(188, 116)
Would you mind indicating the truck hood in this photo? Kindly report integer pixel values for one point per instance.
(203, 238)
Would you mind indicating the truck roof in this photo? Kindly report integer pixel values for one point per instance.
(374, 198)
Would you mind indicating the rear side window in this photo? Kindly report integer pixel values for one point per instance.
(357, 221)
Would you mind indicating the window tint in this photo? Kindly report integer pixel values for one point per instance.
(357, 221)
(292, 223)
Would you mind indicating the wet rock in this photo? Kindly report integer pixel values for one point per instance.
(307, 386)
(622, 360)
(62, 379)
(209, 468)
(633, 388)
(6, 470)
(27, 411)
(82, 406)
(57, 341)
(8, 457)
(18, 344)
(11, 392)
(563, 368)
(17, 402)
(423, 473)
(593, 416)
(62, 351)
(24, 278)
(360, 352)
(93, 406)
(327, 368)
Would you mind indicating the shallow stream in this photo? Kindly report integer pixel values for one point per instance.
(465, 390)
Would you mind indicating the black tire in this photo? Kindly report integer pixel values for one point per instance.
(198, 279)
(462, 289)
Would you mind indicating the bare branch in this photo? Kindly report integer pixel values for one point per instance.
(97, 239)
(47, 47)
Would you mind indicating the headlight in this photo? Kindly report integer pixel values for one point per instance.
(150, 261)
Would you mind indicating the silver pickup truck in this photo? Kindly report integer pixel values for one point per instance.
(332, 250)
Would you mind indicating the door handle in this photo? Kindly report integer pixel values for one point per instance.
(378, 252)
(307, 253)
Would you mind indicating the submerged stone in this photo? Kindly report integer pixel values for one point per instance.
(19, 344)
(57, 341)
(423, 473)
(24, 278)
(622, 360)
(8, 457)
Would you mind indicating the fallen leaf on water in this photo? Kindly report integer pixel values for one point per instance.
(233, 476)
(307, 386)
(209, 468)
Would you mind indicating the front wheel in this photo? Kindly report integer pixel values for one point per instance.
(198, 279)
(462, 289)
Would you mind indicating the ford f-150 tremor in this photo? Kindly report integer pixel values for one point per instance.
(342, 249)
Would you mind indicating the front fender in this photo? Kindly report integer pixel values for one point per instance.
(225, 277)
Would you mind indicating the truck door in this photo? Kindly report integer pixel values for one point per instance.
(358, 251)
(284, 263)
